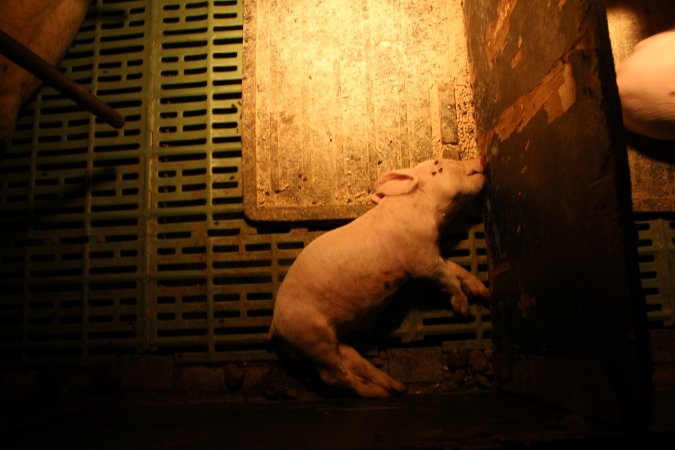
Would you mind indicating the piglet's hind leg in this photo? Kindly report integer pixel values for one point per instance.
(343, 367)
(363, 369)
(310, 336)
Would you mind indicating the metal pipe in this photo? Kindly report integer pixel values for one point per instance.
(25, 58)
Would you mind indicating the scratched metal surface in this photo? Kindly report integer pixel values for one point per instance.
(336, 93)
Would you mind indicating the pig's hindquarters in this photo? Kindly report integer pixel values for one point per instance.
(332, 285)
(646, 82)
(302, 331)
(46, 27)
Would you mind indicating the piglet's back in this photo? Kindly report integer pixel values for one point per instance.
(346, 269)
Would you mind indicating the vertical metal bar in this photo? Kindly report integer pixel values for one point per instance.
(149, 235)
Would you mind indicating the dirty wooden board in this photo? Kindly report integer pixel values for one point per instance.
(568, 313)
(336, 93)
(652, 162)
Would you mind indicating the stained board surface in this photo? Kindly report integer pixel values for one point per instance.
(336, 93)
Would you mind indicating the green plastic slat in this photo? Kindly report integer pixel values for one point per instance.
(656, 253)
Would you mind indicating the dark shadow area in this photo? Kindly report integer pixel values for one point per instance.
(46, 215)
(652, 16)
(654, 149)
(456, 421)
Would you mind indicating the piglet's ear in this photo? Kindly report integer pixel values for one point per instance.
(399, 182)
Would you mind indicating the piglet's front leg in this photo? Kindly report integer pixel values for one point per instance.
(460, 283)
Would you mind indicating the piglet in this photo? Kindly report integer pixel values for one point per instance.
(646, 82)
(46, 27)
(345, 277)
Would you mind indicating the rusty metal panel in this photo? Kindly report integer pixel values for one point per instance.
(336, 93)
(569, 318)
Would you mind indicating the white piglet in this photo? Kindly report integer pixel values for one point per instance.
(646, 82)
(344, 278)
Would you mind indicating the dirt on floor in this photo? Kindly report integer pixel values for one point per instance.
(423, 370)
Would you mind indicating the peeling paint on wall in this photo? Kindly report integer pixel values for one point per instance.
(556, 90)
(561, 3)
(556, 93)
(519, 54)
(498, 31)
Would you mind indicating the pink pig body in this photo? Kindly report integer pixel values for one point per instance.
(646, 82)
(46, 27)
(344, 278)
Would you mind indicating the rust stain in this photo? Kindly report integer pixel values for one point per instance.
(498, 31)
(526, 303)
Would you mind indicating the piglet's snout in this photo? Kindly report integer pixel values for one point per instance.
(474, 166)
